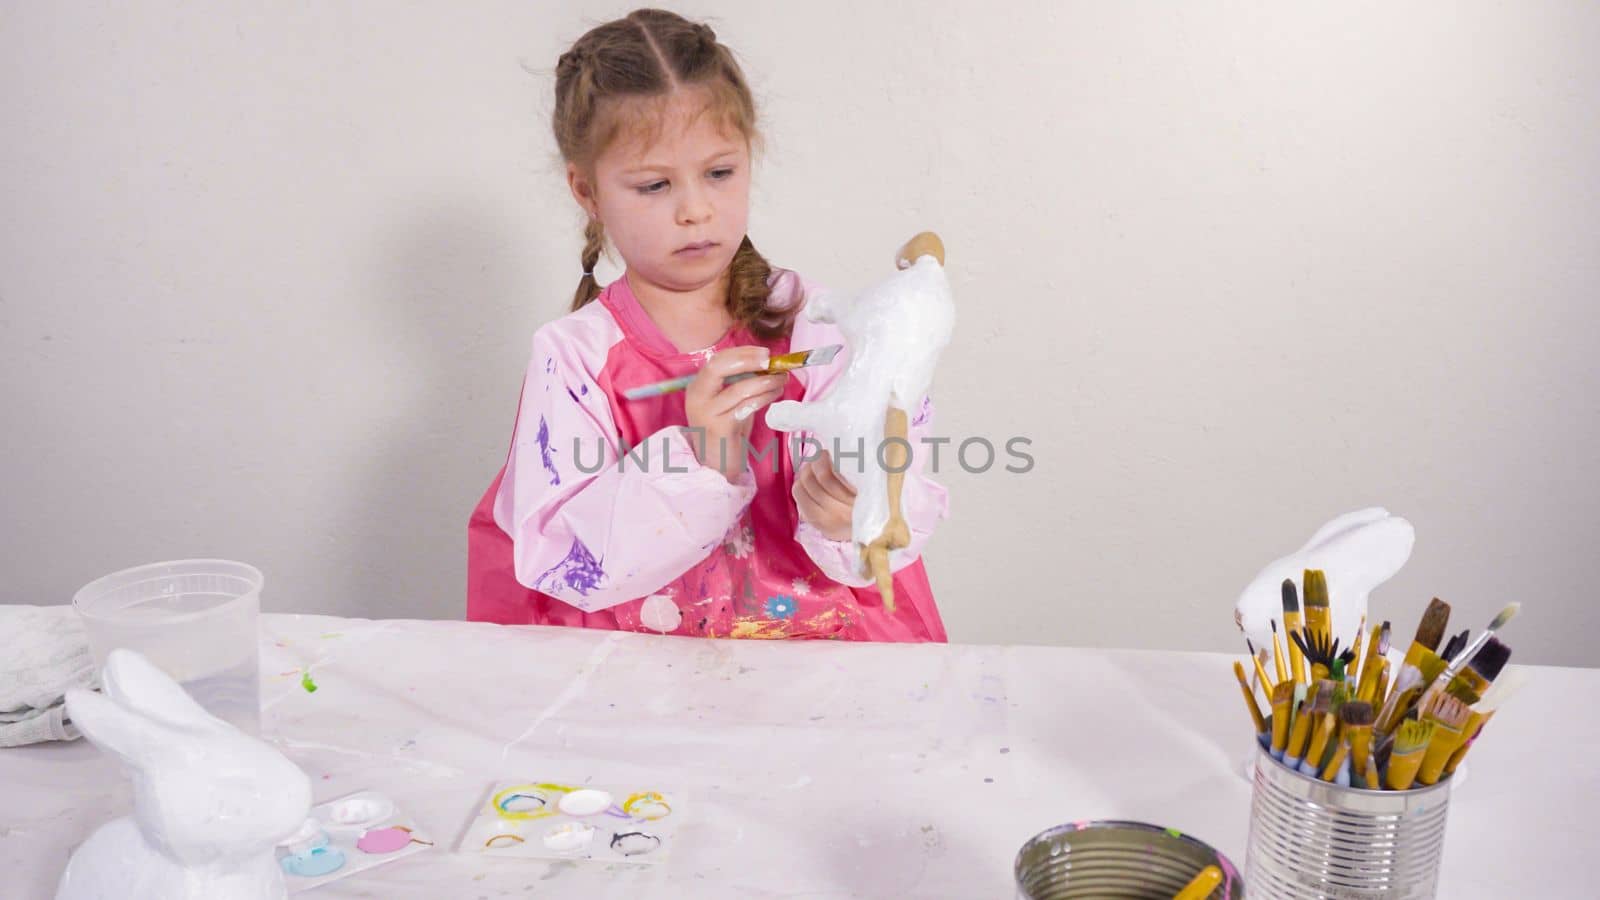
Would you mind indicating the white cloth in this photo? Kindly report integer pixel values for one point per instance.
(43, 652)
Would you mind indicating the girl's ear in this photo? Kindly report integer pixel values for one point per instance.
(582, 190)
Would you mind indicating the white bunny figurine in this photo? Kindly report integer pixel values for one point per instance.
(1357, 551)
(210, 802)
(895, 331)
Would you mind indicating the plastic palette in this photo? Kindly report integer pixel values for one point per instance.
(345, 836)
(549, 820)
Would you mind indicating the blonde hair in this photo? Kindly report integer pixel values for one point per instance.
(617, 76)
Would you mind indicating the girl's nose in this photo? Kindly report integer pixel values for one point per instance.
(694, 207)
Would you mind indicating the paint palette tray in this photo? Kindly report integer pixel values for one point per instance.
(553, 821)
(345, 836)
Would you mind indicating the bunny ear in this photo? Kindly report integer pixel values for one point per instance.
(1345, 523)
(138, 685)
(116, 730)
(1373, 554)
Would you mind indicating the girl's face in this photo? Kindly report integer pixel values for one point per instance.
(677, 209)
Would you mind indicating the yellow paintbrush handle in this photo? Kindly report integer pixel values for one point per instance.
(1331, 770)
(1202, 885)
(1297, 661)
(1354, 675)
(1267, 684)
(1249, 698)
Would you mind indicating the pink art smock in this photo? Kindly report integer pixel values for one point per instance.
(603, 516)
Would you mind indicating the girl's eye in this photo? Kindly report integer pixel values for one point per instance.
(720, 174)
(654, 187)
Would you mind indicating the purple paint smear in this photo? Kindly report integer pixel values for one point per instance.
(924, 412)
(545, 453)
(580, 572)
(1228, 875)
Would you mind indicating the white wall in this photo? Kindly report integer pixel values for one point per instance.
(268, 272)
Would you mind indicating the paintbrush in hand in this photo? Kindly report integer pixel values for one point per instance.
(777, 365)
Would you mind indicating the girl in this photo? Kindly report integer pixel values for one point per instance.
(688, 533)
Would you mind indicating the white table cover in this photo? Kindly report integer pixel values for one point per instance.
(812, 769)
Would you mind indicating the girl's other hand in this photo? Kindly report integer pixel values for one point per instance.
(824, 498)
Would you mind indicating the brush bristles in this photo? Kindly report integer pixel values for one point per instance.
(1323, 703)
(1316, 588)
(1491, 659)
(1430, 631)
(1505, 616)
(1503, 689)
(1412, 736)
(1461, 691)
(1317, 648)
(1356, 713)
(1291, 603)
(1450, 711)
(823, 355)
(1383, 639)
(1284, 692)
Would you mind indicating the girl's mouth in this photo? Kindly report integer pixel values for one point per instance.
(698, 248)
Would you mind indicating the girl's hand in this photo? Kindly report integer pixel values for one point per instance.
(727, 412)
(824, 498)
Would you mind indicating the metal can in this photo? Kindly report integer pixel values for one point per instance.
(1106, 858)
(1311, 838)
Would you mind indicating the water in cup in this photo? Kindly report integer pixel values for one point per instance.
(197, 620)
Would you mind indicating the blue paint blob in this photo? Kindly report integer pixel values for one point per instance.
(313, 863)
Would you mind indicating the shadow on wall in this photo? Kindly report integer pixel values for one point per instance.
(446, 289)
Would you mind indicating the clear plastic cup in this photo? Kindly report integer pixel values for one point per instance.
(195, 619)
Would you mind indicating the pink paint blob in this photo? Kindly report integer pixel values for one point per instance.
(383, 840)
